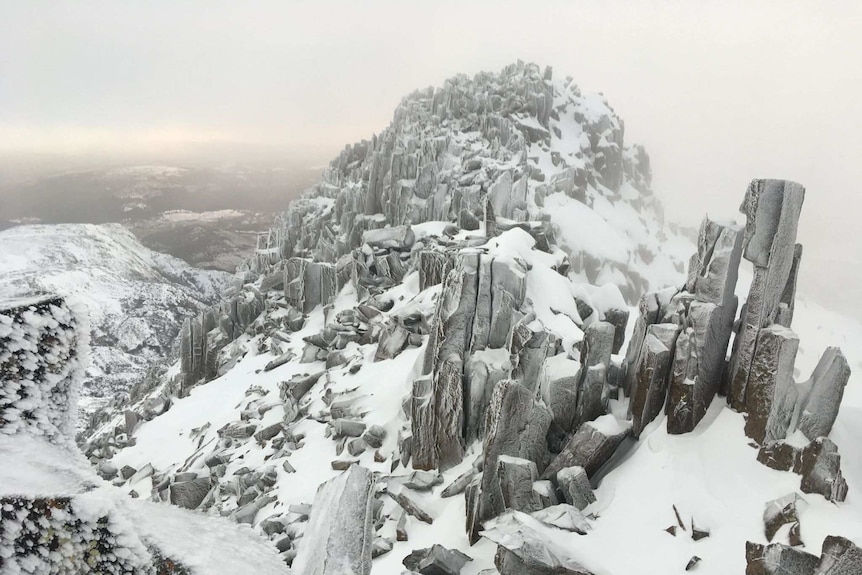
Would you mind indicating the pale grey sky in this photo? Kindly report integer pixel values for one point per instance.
(719, 92)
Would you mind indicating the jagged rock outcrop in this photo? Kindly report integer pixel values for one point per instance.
(591, 446)
(772, 210)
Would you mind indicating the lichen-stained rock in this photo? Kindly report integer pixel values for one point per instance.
(778, 559)
(339, 534)
(526, 546)
(819, 407)
(649, 384)
(772, 210)
(591, 446)
(839, 556)
(516, 426)
(575, 486)
(516, 476)
(397, 238)
(769, 381)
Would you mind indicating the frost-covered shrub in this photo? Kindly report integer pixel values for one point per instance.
(43, 350)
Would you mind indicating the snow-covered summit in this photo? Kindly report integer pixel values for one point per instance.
(452, 309)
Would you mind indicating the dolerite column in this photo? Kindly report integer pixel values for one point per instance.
(772, 210)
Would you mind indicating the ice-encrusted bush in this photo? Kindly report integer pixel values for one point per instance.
(43, 350)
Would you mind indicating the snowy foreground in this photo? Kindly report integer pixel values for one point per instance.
(459, 353)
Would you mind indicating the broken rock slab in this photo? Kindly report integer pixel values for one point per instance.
(339, 535)
(436, 560)
(839, 556)
(770, 380)
(575, 486)
(778, 559)
(591, 446)
(525, 546)
(516, 426)
(819, 408)
(818, 462)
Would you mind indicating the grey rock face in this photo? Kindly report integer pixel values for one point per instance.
(436, 560)
(619, 318)
(516, 427)
(819, 464)
(778, 559)
(189, 494)
(839, 556)
(575, 486)
(339, 535)
(818, 410)
(772, 210)
(649, 385)
(516, 477)
(591, 446)
(769, 380)
(308, 284)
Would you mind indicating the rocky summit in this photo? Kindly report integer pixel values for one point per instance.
(476, 347)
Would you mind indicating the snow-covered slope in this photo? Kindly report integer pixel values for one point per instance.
(439, 303)
(136, 297)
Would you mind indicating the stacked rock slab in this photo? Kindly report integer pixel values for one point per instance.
(202, 337)
(772, 209)
(339, 533)
(516, 427)
(474, 313)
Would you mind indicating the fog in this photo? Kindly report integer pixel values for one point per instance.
(719, 92)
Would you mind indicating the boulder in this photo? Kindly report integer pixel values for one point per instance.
(516, 477)
(819, 408)
(778, 559)
(769, 382)
(189, 494)
(779, 512)
(575, 486)
(591, 446)
(339, 535)
(436, 560)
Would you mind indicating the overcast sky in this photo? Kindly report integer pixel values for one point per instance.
(719, 92)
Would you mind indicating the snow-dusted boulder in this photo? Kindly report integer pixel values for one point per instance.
(339, 533)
